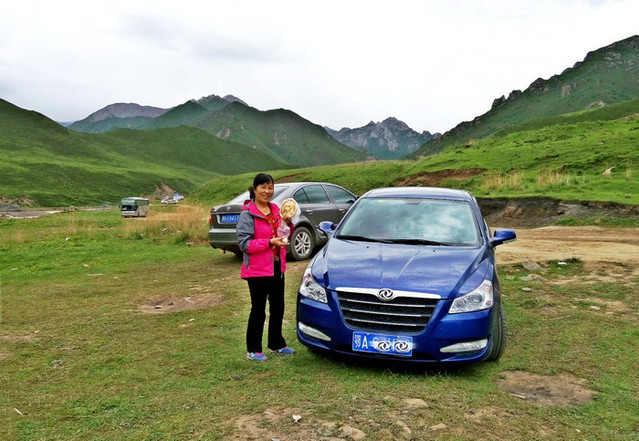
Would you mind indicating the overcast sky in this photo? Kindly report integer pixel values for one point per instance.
(431, 64)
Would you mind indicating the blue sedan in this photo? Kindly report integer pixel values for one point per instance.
(408, 274)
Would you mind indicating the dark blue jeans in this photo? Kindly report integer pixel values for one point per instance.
(263, 289)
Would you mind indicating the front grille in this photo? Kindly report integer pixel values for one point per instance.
(407, 314)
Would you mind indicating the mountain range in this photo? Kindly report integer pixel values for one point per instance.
(605, 76)
(390, 139)
(136, 149)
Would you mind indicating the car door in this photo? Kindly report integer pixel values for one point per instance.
(315, 204)
(342, 198)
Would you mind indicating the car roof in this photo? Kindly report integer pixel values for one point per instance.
(419, 192)
(302, 183)
(290, 186)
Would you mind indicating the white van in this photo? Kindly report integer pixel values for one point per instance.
(134, 207)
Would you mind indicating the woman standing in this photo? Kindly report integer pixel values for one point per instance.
(263, 267)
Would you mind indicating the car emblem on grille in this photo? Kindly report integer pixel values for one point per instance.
(385, 295)
(228, 208)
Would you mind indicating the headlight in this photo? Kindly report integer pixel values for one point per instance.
(476, 300)
(311, 289)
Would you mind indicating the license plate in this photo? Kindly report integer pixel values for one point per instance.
(383, 344)
(229, 218)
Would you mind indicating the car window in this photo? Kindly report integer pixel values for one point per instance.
(315, 194)
(300, 196)
(449, 222)
(339, 195)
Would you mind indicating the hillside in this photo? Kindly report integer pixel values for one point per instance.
(52, 166)
(562, 158)
(606, 76)
(117, 116)
(281, 133)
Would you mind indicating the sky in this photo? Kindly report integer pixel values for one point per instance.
(432, 64)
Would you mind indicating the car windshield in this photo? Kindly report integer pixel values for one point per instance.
(244, 196)
(411, 221)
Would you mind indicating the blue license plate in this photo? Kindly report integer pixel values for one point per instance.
(383, 344)
(229, 218)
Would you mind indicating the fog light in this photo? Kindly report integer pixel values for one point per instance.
(312, 332)
(466, 346)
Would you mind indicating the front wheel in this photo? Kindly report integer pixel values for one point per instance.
(302, 244)
(498, 335)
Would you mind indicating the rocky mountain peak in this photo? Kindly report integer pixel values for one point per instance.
(389, 139)
(125, 110)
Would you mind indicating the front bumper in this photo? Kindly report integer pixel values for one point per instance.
(322, 327)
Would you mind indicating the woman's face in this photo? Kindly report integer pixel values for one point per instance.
(264, 192)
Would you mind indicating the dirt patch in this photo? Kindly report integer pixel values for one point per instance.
(430, 179)
(176, 304)
(3, 356)
(19, 338)
(293, 178)
(27, 214)
(559, 390)
(538, 211)
(13, 203)
(289, 424)
(589, 244)
(487, 413)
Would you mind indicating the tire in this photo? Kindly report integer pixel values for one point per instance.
(498, 340)
(302, 244)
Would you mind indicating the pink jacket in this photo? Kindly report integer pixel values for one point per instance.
(253, 236)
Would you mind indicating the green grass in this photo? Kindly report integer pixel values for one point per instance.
(561, 161)
(562, 157)
(79, 359)
(54, 166)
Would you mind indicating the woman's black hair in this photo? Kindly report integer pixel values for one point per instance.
(260, 178)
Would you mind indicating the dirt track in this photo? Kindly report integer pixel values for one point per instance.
(589, 244)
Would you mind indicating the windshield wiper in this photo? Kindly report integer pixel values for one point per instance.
(362, 238)
(420, 242)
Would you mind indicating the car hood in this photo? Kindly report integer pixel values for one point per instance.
(446, 271)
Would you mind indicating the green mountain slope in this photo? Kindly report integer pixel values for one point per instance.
(281, 133)
(53, 166)
(606, 76)
(284, 135)
(108, 124)
(182, 115)
(562, 157)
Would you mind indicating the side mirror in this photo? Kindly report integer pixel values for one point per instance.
(327, 227)
(502, 236)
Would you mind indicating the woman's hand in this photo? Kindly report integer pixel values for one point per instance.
(279, 241)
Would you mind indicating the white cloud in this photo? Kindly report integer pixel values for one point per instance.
(431, 64)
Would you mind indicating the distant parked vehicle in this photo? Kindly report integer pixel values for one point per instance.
(318, 201)
(169, 201)
(409, 274)
(134, 207)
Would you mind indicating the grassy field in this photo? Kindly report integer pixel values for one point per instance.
(133, 329)
(562, 157)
